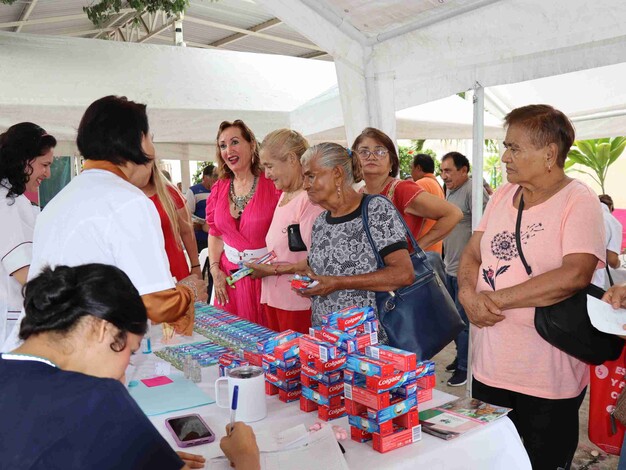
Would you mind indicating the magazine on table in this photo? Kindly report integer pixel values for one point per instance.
(459, 416)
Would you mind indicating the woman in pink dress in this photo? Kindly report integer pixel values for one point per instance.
(239, 213)
(280, 155)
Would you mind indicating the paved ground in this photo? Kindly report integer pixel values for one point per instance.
(588, 456)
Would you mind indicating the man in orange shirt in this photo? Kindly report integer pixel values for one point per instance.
(423, 174)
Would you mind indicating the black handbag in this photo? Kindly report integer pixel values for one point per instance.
(295, 238)
(422, 317)
(566, 324)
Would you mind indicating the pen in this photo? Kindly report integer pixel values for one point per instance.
(233, 408)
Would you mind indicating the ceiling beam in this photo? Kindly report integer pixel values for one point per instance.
(117, 21)
(313, 55)
(28, 9)
(50, 20)
(255, 29)
(304, 45)
(159, 30)
(85, 32)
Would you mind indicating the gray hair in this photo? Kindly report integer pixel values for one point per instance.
(332, 155)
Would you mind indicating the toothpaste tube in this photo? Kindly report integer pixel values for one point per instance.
(243, 272)
(394, 410)
(302, 282)
(369, 366)
(288, 350)
(402, 360)
(270, 343)
(314, 395)
(348, 318)
(317, 348)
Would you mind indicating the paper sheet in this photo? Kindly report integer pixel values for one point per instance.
(605, 318)
(180, 394)
(292, 437)
(322, 452)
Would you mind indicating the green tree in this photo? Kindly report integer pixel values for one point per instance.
(101, 10)
(197, 176)
(406, 154)
(597, 155)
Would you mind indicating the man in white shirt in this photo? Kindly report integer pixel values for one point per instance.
(613, 239)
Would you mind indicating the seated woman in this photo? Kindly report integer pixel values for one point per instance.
(61, 399)
(175, 224)
(380, 164)
(26, 154)
(102, 216)
(281, 151)
(341, 258)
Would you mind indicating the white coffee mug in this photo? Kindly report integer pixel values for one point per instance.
(251, 404)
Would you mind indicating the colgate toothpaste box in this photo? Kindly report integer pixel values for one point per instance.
(330, 365)
(270, 343)
(382, 384)
(270, 389)
(330, 390)
(253, 357)
(287, 350)
(288, 396)
(400, 438)
(313, 374)
(396, 409)
(424, 394)
(369, 326)
(284, 384)
(424, 368)
(314, 395)
(354, 408)
(364, 340)
(366, 397)
(274, 361)
(348, 318)
(328, 413)
(317, 348)
(344, 341)
(369, 366)
(427, 381)
(407, 420)
(232, 359)
(402, 360)
(282, 374)
(358, 435)
(307, 405)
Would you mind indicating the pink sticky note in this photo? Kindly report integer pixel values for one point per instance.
(157, 381)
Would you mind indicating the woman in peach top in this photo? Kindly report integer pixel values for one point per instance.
(562, 239)
(280, 156)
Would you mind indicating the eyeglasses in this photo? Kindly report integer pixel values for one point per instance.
(378, 153)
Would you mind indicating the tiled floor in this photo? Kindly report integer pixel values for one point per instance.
(588, 456)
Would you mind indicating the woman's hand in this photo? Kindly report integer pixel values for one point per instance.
(616, 296)
(192, 460)
(326, 285)
(480, 309)
(239, 446)
(260, 270)
(197, 272)
(219, 285)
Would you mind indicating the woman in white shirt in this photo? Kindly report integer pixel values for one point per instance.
(25, 158)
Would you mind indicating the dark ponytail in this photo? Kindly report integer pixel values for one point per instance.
(58, 298)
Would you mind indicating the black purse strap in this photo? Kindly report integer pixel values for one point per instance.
(518, 226)
(608, 272)
(366, 227)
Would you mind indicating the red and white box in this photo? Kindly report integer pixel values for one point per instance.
(330, 365)
(424, 394)
(270, 389)
(307, 405)
(400, 438)
(330, 390)
(253, 357)
(288, 350)
(368, 366)
(288, 396)
(402, 360)
(317, 348)
(328, 413)
(358, 435)
(427, 381)
(354, 408)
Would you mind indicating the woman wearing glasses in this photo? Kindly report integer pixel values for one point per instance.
(380, 164)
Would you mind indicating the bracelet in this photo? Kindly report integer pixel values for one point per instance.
(214, 263)
(195, 266)
(191, 286)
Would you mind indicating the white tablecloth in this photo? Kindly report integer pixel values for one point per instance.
(496, 446)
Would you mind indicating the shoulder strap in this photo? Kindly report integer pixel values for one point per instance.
(518, 225)
(608, 272)
(366, 227)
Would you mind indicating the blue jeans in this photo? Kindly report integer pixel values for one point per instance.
(462, 340)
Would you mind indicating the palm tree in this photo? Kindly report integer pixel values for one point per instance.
(597, 155)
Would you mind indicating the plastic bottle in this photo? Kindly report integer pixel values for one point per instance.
(146, 343)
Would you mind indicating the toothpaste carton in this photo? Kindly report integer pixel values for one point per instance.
(284, 384)
(270, 343)
(330, 390)
(424, 394)
(402, 360)
(330, 365)
(369, 366)
(407, 420)
(364, 340)
(424, 368)
(366, 397)
(270, 389)
(393, 411)
(354, 408)
(317, 348)
(348, 318)
(358, 435)
(253, 357)
(369, 326)
(288, 396)
(400, 438)
(327, 413)
(311, 373)
(307, 405)
(341, 339)
(282, 374)
(288, 350)
(232, 359)
(314, 395)
(427, 381)
(274, 361)
(382, 384)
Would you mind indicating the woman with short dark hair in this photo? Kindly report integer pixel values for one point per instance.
(26, 154)
(102, 215)
(61, 398)
(561, 239)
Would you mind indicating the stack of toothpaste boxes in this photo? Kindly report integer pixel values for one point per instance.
(281, 362)
(382, 389)
(323, 356)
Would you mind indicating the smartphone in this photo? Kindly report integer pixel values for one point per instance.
(189, 430)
